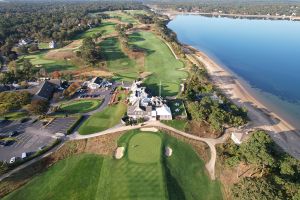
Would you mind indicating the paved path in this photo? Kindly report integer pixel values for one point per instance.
(210, 165)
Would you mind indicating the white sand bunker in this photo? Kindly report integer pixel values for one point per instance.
(149, 129)
(119, 152)
(168, 151)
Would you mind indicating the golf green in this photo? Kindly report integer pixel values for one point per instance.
(144, 148)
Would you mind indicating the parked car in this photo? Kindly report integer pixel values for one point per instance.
(12, 160)
(42, 147)
(13, 133)
(24, 155)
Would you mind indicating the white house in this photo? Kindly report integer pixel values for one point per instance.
(97, 82)
(142, 105)
(52, 44)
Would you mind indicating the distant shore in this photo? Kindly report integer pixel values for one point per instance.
(172, 14)
(260, 116)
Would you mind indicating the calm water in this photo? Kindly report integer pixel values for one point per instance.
(266, 54)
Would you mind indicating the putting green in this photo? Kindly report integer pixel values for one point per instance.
(144, 148)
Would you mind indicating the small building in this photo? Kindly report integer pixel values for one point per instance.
(46, 90)
(52, 44)
(237, 137)
(97, 82)
(25, 41)
(164, 113)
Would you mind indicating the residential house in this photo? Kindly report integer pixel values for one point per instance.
(25, 41)
(46, 89)
(97, 82)
(52, 44)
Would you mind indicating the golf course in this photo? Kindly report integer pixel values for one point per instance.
(143, 173)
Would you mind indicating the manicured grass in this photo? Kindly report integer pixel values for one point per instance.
(15, 115)
(105, 28)
(140, 148)
(117, 62)
(73, 178)
(185, 174)
(38, 60)
(80, 106)
(86, 176)
(101, 121)
(124, 17)
(177, 124)
(161, 62)
(43, 45)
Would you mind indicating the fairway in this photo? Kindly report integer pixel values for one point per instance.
(103, 120)
(106, 28)
(120, 64)
(89, 176)
(144, 148)
(81, 106)
(39, 61)
(161, 62)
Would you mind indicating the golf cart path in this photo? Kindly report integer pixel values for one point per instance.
(210, 165)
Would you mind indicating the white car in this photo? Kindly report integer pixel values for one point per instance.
(24, 155)
(12, 160)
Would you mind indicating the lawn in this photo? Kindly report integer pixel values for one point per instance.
(120, 64)
(88, 176)
(161, 62)
(103, 120)
(80, 106)
(106, 28)
(39, 61)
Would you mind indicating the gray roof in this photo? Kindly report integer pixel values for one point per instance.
(46, 90)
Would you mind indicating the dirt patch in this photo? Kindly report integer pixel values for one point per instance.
(60, 55)
(145, 74)
(90, 71)
(73, 45)
(202, 130)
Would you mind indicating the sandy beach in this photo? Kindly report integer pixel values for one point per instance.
(261, 117)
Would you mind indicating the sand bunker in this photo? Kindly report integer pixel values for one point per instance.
(168, 151)
(149, 129)
(119, 152)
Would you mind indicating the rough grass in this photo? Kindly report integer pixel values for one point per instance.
(120, 64)
(101, 121)
(161, 62)
(177, 124)
(80, 106)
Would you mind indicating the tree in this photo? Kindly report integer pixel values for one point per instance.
(38, 107)
(88, 51)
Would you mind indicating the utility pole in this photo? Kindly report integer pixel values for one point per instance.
(160, 88)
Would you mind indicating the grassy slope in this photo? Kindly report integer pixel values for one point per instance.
(81, 106)
(73, 178)
(117, 62)
(101, 121)
(105, 28)
(161, 62)
(50, 65)
(123, 16)
(179, 170)
(177, 124)
(86, 176)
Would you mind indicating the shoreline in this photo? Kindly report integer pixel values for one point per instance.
(259, 114)
(173, 13)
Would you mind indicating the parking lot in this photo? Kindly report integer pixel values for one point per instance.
(31, 136)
